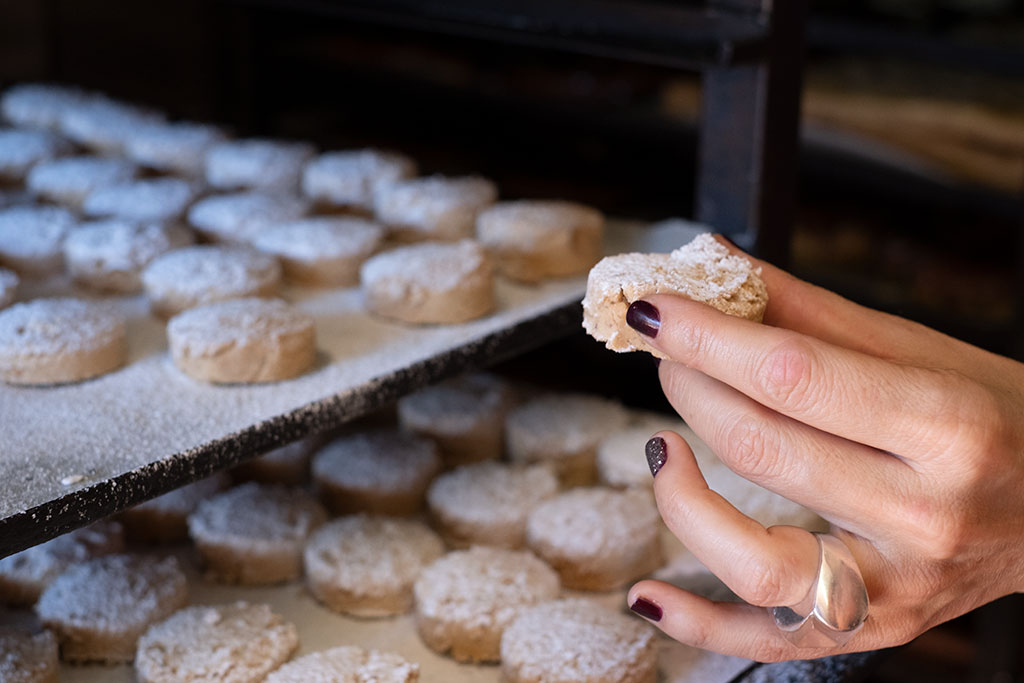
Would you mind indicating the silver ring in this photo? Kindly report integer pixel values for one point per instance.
(836, 605)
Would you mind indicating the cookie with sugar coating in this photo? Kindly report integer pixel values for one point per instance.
(597, 538)
(28, 657)
(243, 341)
(20, 150)
(348, 664)
(433, 208)
(31, 239)
(234, 643)
(241, 217)
(164, 519)
(465, 600)
(534, 239)
(579, 641)
(365, 565)
(350, 177)
(69, 180)
(257, 163)
(288, 464)
(55, 341)
(703, 270)
(323, 250)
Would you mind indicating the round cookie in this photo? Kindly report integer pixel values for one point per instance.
(100, 607)
(110, 255)
(350, 177)
(204, 274)
(52, 341)
(179, 147)
(28, 657)
(321, 250)
(578, 641)
(105, 125)
(254, 534)
(234, 643)
(8, 287)
(596, 538)
(620, 455)
(703, 270)
(20, 150)
(430, 283)
(243, 341)
(39, 105)
(536, 239)
(164, 519)
(366, 565)
(433, 208)
(383, 471)
(24, 575)
(154, 199)
(257, 163)
(466, 599)
(347, 664)
(240, 217)
(563, 430)
(465, 416)
(31, 238)
(69, 180)
(488, 503)
(288, 464)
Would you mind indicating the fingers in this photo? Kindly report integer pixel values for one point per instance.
(839, 479)
(765, 567)
(890, 406)
(729, 628)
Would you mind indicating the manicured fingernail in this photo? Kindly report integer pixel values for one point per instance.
(657, 454)
(646, 609)
(644, 318)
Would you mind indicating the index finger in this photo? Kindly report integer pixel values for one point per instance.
(891, 406)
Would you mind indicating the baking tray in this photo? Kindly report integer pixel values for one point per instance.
(73, 454)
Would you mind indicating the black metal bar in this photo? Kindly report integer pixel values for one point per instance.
(749, 132)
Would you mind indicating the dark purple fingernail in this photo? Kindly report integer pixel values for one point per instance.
(646, 609)
(644, 318)
(657, 454)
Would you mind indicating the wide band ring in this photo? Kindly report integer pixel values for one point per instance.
(836, 604)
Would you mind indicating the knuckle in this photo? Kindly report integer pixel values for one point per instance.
(939, 533)
(750, 448)
(787, 375)
(700, 634)
(695, 342)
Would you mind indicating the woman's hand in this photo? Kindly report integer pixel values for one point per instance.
(910, 443)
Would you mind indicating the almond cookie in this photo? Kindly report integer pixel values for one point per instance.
(349, 178)
(24, 575)
(430, 283)
(52, 341)
(322, 251)
(257, 163)
(578, 641)
(8, 287)
(288, 464)
(235, 643)
(243, 341)
(254, 534)
(347, 664)
(100, 607)
(465, 416)
(110, 255)
(28, 657)
(703, 270)
(204, 274)
(20, 150)
(31, 239)
(164, 519)
(366, 565)
(179, 147)
(433, 208)
(535, 239)
(466, 599)
(487, 503)
(620, 455)
(105, 125)
(596, 538)
(69, 181)
(240, 217)
(39, 105)
(563, 430)
(383, 471)
(155, 199)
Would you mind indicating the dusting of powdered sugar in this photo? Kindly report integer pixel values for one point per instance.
(105, 124)
(257, 514)
(350, 177)
(206, 273)
(379, 460)
(347, 664)
(22, 149)
(33, 233)
(321, 237)
(117, 248)
(588, 522)
(435, 267)
(173, 147)
(561, 425)
(536, 224)
(28, 657)
(491, 492)
(71, 179)
(155, 199)
(243, 216)
(577, 640)
(46, 327)
(237, 322)
(454, 406)
(257, 163)
(39, 105)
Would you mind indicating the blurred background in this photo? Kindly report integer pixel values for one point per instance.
(911, 165)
